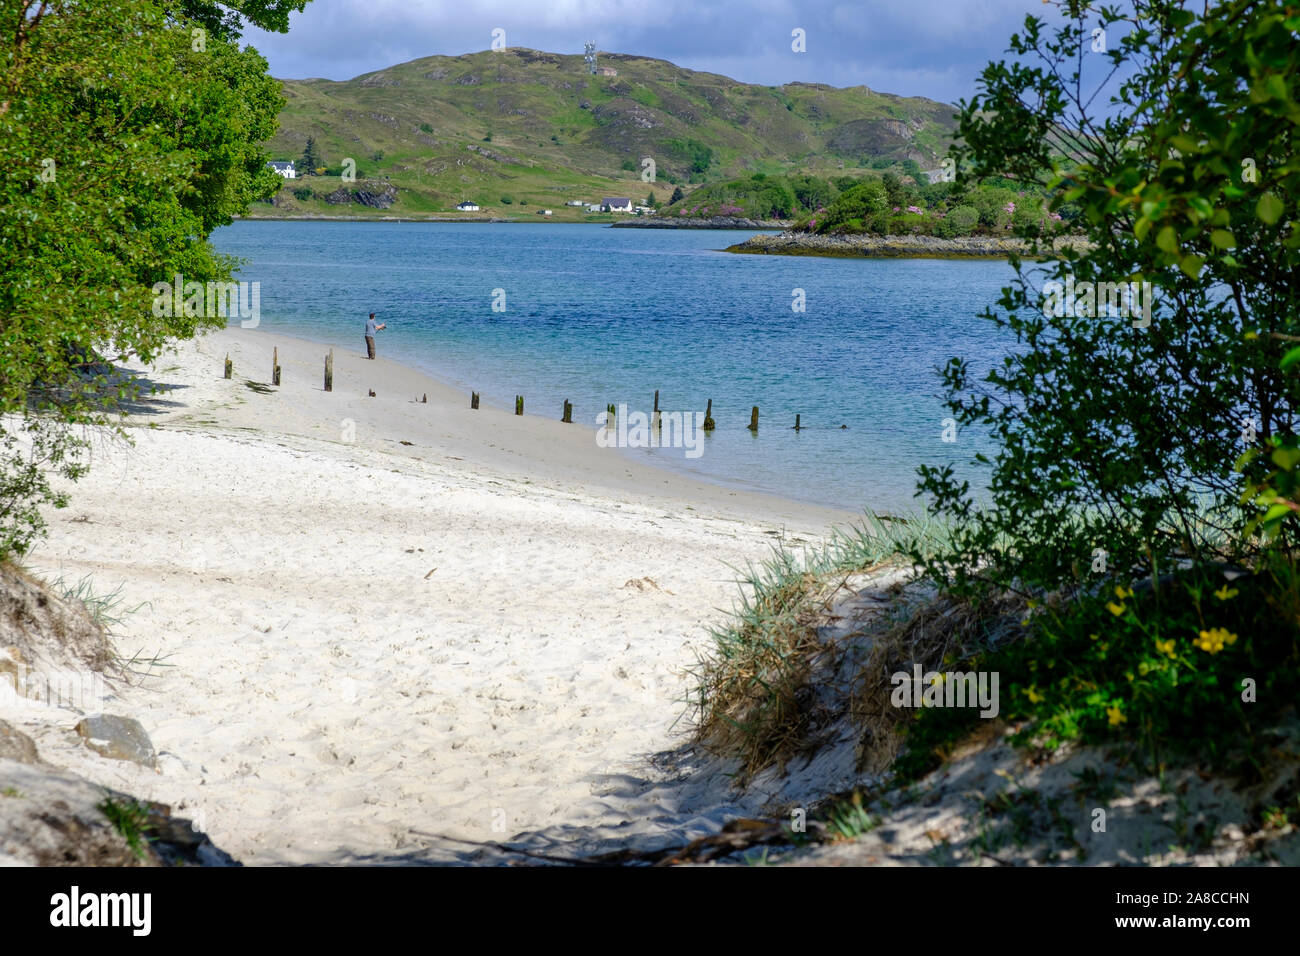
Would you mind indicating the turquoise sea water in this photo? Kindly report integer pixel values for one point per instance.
(599, 316)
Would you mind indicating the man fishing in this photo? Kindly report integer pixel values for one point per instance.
(371, 329)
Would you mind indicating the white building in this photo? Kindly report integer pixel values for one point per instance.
(575, 202)
(284, 169)
(468, 206)
(616, 204)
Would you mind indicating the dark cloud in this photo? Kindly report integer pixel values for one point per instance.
(931, 48)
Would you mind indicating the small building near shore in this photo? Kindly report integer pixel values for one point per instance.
(285, 169)
(616, 204)
(467, 206)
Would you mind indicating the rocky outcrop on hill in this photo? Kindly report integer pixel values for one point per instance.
(376, 195)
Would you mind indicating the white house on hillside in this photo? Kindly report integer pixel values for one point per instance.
(284, 169)
(468, 206)
(615, 204)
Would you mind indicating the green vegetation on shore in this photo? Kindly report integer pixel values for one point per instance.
(891, 202)
(1131, 573)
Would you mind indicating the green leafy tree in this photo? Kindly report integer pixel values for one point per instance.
(111, 179)
(1114, 435)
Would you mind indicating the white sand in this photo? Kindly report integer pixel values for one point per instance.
(325, 694)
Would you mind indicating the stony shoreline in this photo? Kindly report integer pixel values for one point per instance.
(884, 247)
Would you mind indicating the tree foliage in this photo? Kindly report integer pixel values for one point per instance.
(1177, 145)
(124, 141)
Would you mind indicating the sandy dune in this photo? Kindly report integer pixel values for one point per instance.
(479, 634)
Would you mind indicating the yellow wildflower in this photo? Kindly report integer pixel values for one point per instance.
(1121, 593)
(1116, 716)
(1225, 592)
(1116, 609)
(1033, 695)
(1166, 647)
(1214, 640)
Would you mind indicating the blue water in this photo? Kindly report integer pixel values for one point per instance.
(599, 316)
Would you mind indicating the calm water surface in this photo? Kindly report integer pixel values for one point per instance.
(599, 316)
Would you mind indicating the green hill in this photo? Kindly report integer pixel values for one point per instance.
(538, 129)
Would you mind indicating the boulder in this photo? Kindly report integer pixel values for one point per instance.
(119, 738)
(16, 745)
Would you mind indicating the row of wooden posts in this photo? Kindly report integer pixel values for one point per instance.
(709, 424)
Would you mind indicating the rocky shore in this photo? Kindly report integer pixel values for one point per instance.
(711, 222)
(807, 244)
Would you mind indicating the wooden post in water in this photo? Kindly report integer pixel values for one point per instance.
(611, 415)
(275, 366)
(519, 404)
(329, 371)
(753, 419)
(568, 412)
(796, 421)
(473, 399)
(709, 423)
(230, 368)
(425, 400)
(656, 408)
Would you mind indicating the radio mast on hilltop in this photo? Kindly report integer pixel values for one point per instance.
(589, 54)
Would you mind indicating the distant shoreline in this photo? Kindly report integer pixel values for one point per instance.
(888, 247)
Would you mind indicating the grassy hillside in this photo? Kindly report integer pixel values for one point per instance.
(539, 129)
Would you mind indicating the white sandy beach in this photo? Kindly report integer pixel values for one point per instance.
(481, 633)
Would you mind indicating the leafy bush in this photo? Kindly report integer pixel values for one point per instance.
(963, 220)
(302, 192)
(1163, 667)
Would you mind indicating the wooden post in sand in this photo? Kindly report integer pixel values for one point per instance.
(656, 408)
(611, 415)
(230, 368)
(709, 423)
(473, 399)
(425, 400)
(567, 418)
(753, 419)
(329, 371)
(372, 392)
(796, 421)
(519, 404)
(275, 366)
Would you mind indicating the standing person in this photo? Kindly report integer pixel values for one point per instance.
(371, 329)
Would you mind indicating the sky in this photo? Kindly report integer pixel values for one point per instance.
(932, 48)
